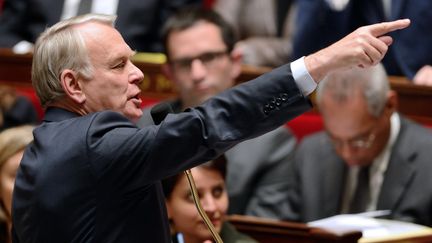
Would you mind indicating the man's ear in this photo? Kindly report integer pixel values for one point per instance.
(168, 71)
(72, 86)
(236, 57)
(392, 102)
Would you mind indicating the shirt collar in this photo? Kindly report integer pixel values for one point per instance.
(381, 161)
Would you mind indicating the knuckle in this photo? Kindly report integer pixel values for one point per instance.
(358, 51)
(362, 30)
(359, 40)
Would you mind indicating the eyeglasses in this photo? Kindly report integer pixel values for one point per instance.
(208, 59)
(358, 143)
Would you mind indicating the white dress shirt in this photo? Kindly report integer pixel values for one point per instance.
(70, 7)
(301, 76)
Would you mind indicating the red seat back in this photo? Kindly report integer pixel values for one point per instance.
(306, 124)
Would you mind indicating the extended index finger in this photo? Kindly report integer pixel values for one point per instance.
(386, 27)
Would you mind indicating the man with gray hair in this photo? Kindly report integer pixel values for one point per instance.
(375, 158)
(91, 175)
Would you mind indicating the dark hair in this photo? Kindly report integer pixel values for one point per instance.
(219, 164)
(190, 16)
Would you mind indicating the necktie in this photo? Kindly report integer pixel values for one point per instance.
(361, 195)
(84, 7)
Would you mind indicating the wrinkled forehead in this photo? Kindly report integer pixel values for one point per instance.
(97, 31)
(102, 38)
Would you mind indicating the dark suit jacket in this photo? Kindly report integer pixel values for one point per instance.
(317, 26)
(138, 21)
(95, 178)
(319, 174)
(257, 168)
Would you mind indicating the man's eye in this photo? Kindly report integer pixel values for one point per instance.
(120, 65)
(207, 57)
(184, 63)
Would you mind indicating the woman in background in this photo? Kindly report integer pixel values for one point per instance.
(12, 144)
(187, 225)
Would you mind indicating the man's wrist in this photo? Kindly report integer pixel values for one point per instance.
(316, 66)
(302, 78)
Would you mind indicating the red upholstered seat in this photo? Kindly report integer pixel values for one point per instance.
(31, 95)
(306, 124)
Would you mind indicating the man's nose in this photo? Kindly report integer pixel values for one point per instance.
(346, 151)
(136, 75)
(198, 70)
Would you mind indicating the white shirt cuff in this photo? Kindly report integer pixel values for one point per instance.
(302, 78)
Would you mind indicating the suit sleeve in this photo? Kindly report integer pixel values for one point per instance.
(200, 134)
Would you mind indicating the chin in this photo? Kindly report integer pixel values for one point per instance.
(205, 236)
(356, 163)
(205, 98)
(134, 116)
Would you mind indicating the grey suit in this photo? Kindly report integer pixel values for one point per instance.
(257, 168)
(318, 178)
(96, 178)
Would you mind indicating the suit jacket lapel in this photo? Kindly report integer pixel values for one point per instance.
(400, 171)
(333, 184)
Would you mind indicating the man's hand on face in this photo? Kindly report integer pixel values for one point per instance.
(364, 47)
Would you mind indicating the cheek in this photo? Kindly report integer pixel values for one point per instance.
(183, 84)
(223, 204)
(221, 84)
(185, 218)
(118, 91)
(110, 84)
(183, 212)
(370, 155)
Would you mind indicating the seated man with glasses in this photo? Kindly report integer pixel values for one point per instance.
(207, 59)
(202, 63)
(369, 158)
